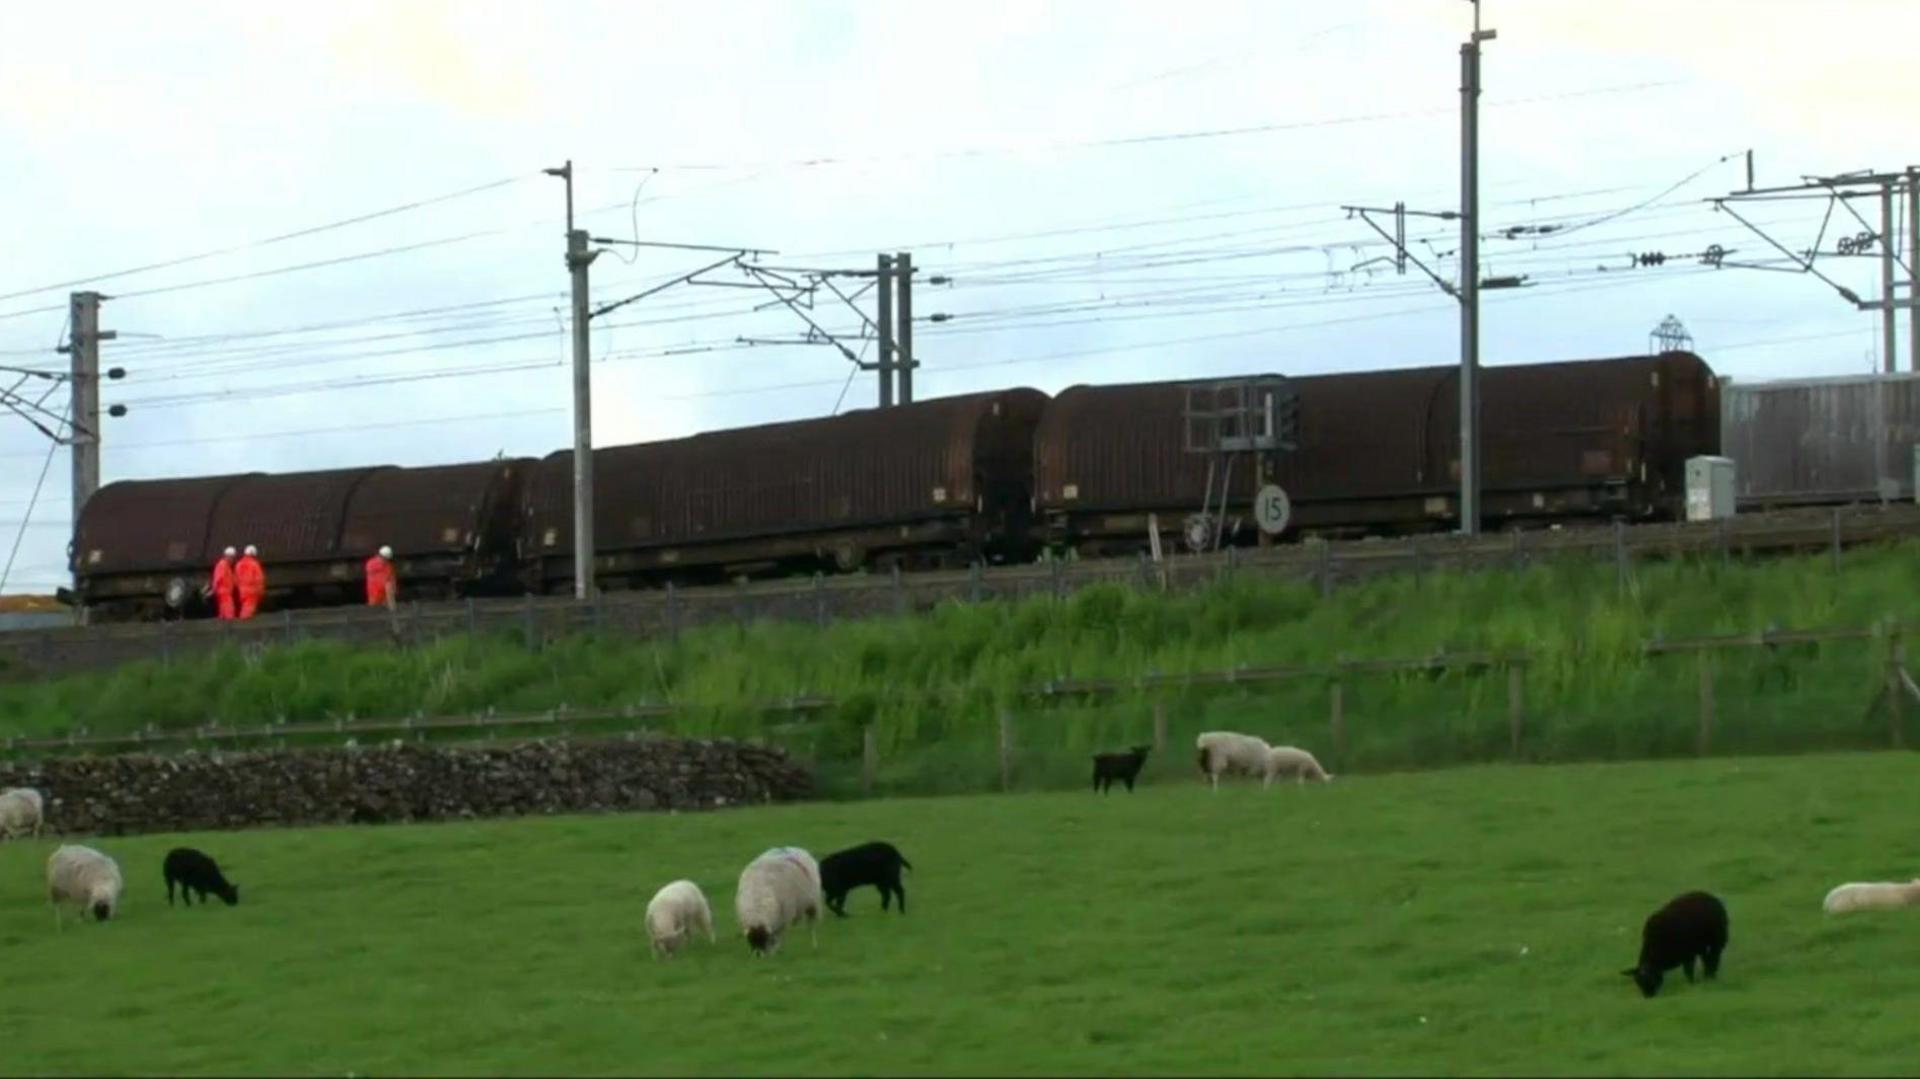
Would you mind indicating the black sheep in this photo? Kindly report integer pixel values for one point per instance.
(195, 872)
(1691, 926)
(873, 863)
(1124, 767)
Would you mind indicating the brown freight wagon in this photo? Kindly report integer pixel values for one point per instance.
(1379, 451)
(939, 482)
(145, 548)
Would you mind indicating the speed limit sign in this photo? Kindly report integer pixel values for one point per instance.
(1272, 509)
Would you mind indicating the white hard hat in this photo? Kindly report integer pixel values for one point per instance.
(386, 552)
(231, 552)
(252, 550)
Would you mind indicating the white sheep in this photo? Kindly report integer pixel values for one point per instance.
(84, 877)
(1293, 761)
(677, 910)
(776, 890)
(22, 811)
(1224, 751)
(1876, 895)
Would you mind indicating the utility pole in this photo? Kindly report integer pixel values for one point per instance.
(883, 327)
(1888, 313)
(1470, 284)
(84, 344)
(578, 259)
(1913, 270)
(903, 336)
(1842, 192)
(1470, 276)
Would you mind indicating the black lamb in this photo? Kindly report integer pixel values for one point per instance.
(1691, 926)
(873, 863)
(196, 873)
(1124, 767)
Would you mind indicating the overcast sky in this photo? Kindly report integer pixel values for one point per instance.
(1119, 191)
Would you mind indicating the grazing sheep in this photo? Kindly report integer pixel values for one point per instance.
(1124, 767)
(677, 910)
(22, 811)
(776, 890)
(1293, 761)
(195, 872)
(1878, 895)
(1224, 751)
(84, 877)
(874, 863)
(1692, 926)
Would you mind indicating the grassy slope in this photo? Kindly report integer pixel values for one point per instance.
(1591, 697)
(1462, 922)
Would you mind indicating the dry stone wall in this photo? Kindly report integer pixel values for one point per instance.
(138, 793)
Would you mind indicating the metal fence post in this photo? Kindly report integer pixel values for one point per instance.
(819, 599)
(673, 612)
(975, 573)
(166, 645)
(899, 592)
(528, 609)
(1326, 569)
(472, 624)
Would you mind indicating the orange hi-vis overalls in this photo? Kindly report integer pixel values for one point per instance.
(380, 582)
(224, 596)
(252, 581)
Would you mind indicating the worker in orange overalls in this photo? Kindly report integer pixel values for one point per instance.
(224, 595)
(251, 580)
(381, 586)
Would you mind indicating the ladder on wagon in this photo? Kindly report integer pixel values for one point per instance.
(1228, 420)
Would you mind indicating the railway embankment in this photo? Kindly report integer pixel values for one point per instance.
(1552, 660)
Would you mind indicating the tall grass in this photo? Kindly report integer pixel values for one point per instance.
(1589, 692)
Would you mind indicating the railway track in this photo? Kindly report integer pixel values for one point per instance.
(823, 599)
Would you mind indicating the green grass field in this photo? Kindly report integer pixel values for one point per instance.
(932, 686)
(1471, 921)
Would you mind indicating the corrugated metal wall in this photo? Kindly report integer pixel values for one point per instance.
(1817, 440)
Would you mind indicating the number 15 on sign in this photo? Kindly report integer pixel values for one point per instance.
(1272, 509)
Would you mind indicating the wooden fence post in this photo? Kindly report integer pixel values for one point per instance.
(1159, 726)
(1006, 751)
(1705, 741)
(1338, 724)
(1516, 706)
(869, 759)
(1896, 689)
(1836, 539)
(1620, 553)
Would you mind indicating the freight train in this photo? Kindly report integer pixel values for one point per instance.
(1004, 476)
